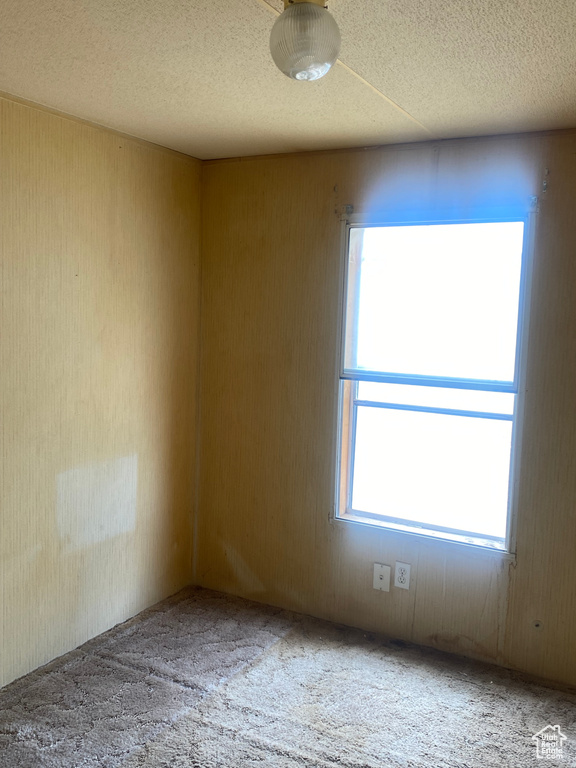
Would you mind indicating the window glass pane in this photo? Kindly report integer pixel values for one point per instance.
(441, 470)
(437, 397)
(435, 300)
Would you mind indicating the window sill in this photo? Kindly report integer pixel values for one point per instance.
(476, 544)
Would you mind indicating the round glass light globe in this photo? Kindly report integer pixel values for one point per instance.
(305, 41)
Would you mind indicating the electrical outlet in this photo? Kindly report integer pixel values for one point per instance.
(381, 577)
(402, 575)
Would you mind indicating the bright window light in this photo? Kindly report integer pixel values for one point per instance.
(429, 378)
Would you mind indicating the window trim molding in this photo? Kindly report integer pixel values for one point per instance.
(352, 219)
(524, 321)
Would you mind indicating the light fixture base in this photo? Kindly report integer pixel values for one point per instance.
(321, 3)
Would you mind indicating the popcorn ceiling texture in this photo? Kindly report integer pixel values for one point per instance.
(198, 77)
(204, 680)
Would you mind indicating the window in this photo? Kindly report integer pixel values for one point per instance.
(429, 377)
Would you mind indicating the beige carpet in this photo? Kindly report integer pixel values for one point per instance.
(209, 681)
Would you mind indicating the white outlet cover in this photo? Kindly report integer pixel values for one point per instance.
(381, 577)
(402, 575)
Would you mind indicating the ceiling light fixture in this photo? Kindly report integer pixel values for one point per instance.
(305, 40)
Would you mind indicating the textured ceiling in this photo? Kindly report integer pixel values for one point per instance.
(197, 76)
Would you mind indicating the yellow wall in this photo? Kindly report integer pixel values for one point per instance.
(271, 240)
(99, 335)
(99, 271)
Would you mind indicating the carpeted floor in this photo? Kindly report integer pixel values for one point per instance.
(204, 680)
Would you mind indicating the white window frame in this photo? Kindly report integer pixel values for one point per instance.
(342, 510)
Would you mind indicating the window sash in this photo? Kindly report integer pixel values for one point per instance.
(350, 313)
(347, 481)
(432, 409)
(386, 377)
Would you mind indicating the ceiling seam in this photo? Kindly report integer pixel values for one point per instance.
(386, 98)
(364, 81)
